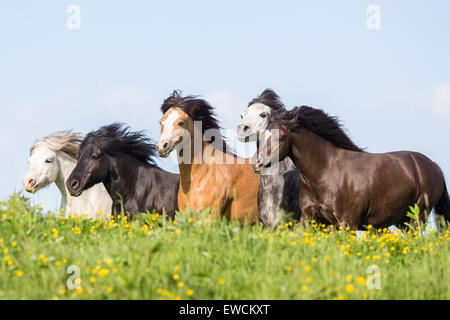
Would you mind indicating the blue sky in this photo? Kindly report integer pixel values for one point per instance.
(390, 87)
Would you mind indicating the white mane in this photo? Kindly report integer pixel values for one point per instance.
(65, 141)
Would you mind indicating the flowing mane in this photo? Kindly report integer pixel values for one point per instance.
(269, 98)
(198, 110)
(317, 121)
(65, 141)
(117, 137)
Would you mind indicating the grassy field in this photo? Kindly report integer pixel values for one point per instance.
(194, 259)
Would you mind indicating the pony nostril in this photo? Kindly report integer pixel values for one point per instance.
(75, 184)
(29, 183)
(165, 146)
(246, 128)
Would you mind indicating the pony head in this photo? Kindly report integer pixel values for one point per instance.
(273, 146)
(44, 158)
(100, 151)
(255, 117)
(181, 116)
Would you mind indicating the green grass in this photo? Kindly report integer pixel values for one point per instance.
(194, 259)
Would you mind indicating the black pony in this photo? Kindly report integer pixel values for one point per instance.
(123, 161)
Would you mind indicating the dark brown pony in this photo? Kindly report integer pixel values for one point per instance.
(343, 185)
(211, 176)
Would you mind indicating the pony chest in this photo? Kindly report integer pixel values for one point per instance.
(203, 191)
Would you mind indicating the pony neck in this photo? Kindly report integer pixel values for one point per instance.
(311, 154)
(199, 162)
(66, 166)
(196, 159)
(123, 175)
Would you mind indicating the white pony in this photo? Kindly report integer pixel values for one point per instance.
(52, 159)
(279, 185)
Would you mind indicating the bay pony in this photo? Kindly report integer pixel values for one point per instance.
(211, 176)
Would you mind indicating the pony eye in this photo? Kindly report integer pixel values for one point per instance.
(181, 123)
(49, 161)
(263, 115)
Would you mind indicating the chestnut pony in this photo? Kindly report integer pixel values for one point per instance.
(343, 185)
(211, 176)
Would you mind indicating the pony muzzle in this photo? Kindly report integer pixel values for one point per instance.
(74, 187)
(164, 148)
(259, 165)
(242, 133)
(29, 184)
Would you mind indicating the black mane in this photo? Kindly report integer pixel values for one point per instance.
(269, 98)
(319, 122)
(118, 137)
(198, 110)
